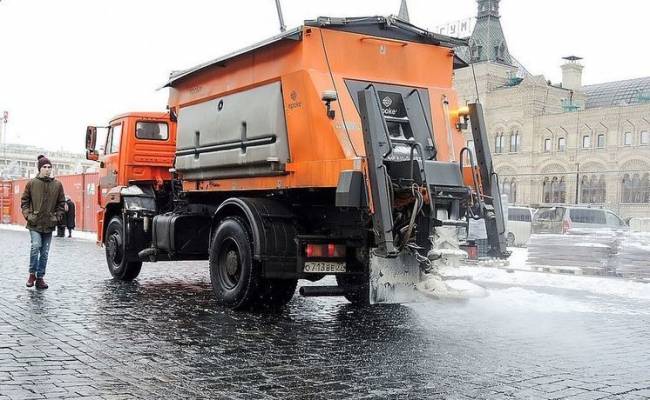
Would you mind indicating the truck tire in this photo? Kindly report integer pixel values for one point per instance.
(356, 288)
(119, 267)
(235, 276)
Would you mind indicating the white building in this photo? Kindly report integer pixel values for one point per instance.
(558, 143)
(19, 161)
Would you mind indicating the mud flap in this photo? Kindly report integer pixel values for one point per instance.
(394, 280)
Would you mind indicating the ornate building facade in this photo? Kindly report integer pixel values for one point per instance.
(558, 143)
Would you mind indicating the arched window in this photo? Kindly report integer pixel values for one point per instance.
(627, 138)
(594, 189)
(585, 190)
(626, 189)
(645, 137)
(602, 190)
(514, 141)
(477, 52)
(562, 189)
(501, 52)
(645, 186)
(555, 189)
(509, 188)
(546, 145)
(499, 143)
(505, 188)
(546, 191)
(636, 189)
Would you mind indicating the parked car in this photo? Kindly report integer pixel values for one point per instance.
(519, 225)
(561, 219)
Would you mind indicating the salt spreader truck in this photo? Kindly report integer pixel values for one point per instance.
(335, 148)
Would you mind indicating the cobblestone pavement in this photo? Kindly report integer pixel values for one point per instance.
(162, 336)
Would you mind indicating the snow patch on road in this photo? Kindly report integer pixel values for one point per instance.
(518, 299)
(521, 299)
(91, 236)
(596, 285)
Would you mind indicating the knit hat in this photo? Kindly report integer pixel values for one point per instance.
(42, 160)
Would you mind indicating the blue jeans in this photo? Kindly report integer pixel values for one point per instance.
(39, 251)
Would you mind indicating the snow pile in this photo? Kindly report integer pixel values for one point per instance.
(436, 287)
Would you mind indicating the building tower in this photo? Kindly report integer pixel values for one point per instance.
(403, 12)
(488, 42)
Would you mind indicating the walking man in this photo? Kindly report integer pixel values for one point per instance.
(42, 205)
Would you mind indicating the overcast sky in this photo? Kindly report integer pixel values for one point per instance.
(68, 63)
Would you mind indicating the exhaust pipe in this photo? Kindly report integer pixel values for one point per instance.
(314, 291)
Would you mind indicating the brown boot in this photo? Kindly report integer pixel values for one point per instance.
(31, 280)
(40, 283)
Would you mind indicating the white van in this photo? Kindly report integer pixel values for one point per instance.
(519, 225)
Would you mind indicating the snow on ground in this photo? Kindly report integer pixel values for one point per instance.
(75, 234)
(596, 285)
(518, 257)
(524, 300)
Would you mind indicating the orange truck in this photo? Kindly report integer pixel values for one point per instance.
(335, 148)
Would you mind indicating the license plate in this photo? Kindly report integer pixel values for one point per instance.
(324, 267)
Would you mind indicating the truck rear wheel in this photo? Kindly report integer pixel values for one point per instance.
(235, 276)
(118, 264)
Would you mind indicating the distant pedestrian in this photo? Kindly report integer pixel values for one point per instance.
(60, 228)
(43, 206)
(70, 215)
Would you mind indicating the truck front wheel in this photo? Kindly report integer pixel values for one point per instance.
(235, 276)
(120, 268)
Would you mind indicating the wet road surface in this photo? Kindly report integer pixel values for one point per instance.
(162, 336)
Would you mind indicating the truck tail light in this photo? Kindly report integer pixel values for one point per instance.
(329, 250)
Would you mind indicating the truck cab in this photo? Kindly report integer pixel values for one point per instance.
(135, 153)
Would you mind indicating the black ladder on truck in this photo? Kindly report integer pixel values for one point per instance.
(493, 211)
(378, 146)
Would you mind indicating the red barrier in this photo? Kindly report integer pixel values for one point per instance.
(82, 189)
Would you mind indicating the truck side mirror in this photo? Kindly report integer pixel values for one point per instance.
(91, 137)
(91, 141)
